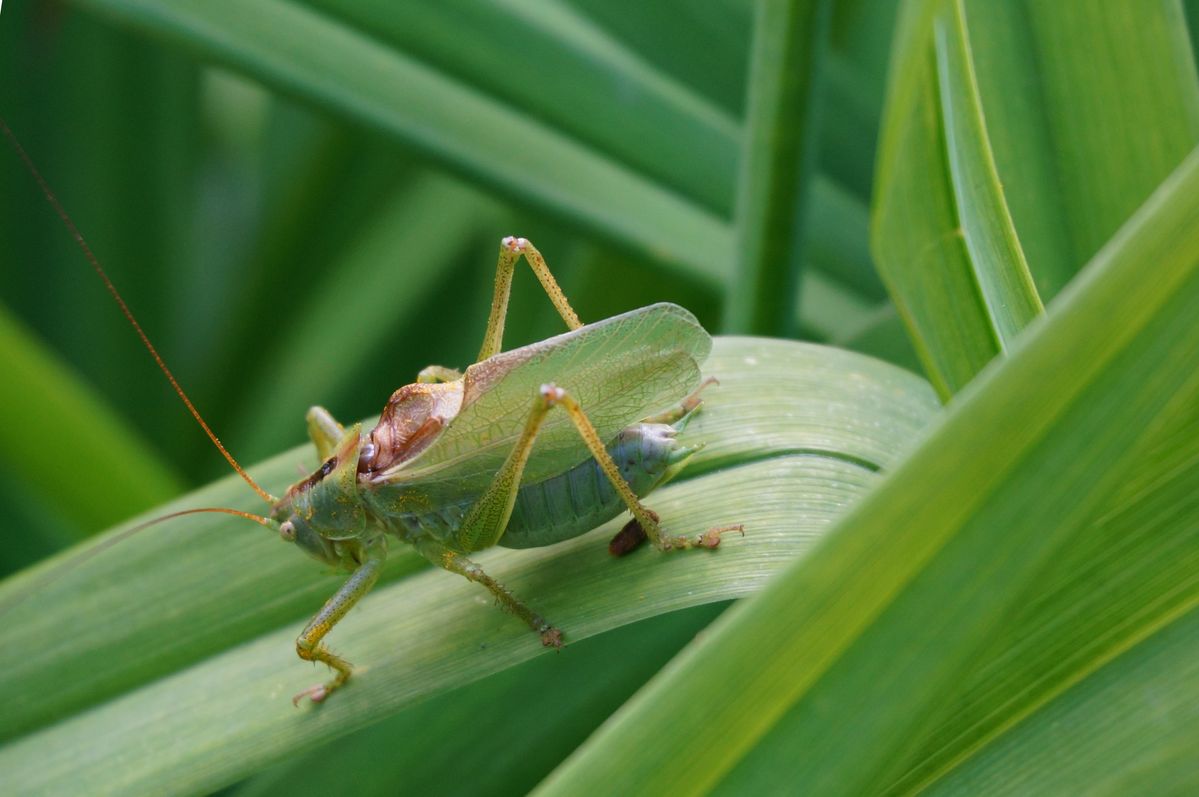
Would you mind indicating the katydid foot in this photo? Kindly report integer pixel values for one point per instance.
(629, 538)
(318, 692)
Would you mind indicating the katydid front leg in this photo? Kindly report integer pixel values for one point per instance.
(309, 645)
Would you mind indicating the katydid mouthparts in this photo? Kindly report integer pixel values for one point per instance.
(524, 448)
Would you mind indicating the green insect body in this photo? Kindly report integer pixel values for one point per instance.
(525, 448)
(344, 501)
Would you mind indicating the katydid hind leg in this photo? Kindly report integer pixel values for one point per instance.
(511, 249)
(455, 562)
(643, 518)
(485, 521)
(487, 518)
(310, 645)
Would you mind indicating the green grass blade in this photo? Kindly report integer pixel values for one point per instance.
(828, 310)
(301, 52)
(777, 164)
(555, 64)
(839, 239)
(884, 336)
(915, 237)
(1103, 618)
(1135, 716)
(299, 238)
(828, 679)
(712, 59)
(74, 113)
(1121, 104)
(993, 250)
(204, 641)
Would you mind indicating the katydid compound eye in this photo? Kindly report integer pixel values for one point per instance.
(288, 531)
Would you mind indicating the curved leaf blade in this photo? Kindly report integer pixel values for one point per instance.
(226, 653)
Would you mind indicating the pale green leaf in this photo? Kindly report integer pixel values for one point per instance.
(181, 639)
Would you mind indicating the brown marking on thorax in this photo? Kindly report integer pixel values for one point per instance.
(316, 478)
(413, 418)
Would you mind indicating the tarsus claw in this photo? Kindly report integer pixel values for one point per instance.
(314, 693)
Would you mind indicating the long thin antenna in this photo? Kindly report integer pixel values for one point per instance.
(112, 289)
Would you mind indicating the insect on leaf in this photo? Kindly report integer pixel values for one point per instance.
(620, 370)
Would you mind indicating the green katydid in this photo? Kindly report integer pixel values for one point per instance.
(462, 461)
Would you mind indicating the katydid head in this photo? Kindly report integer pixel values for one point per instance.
(325, 506)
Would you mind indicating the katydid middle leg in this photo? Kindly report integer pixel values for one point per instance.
(324, 430)
(455, 562)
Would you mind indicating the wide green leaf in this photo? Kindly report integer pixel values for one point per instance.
(184, 638)
(558, 65)
(498, 736)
